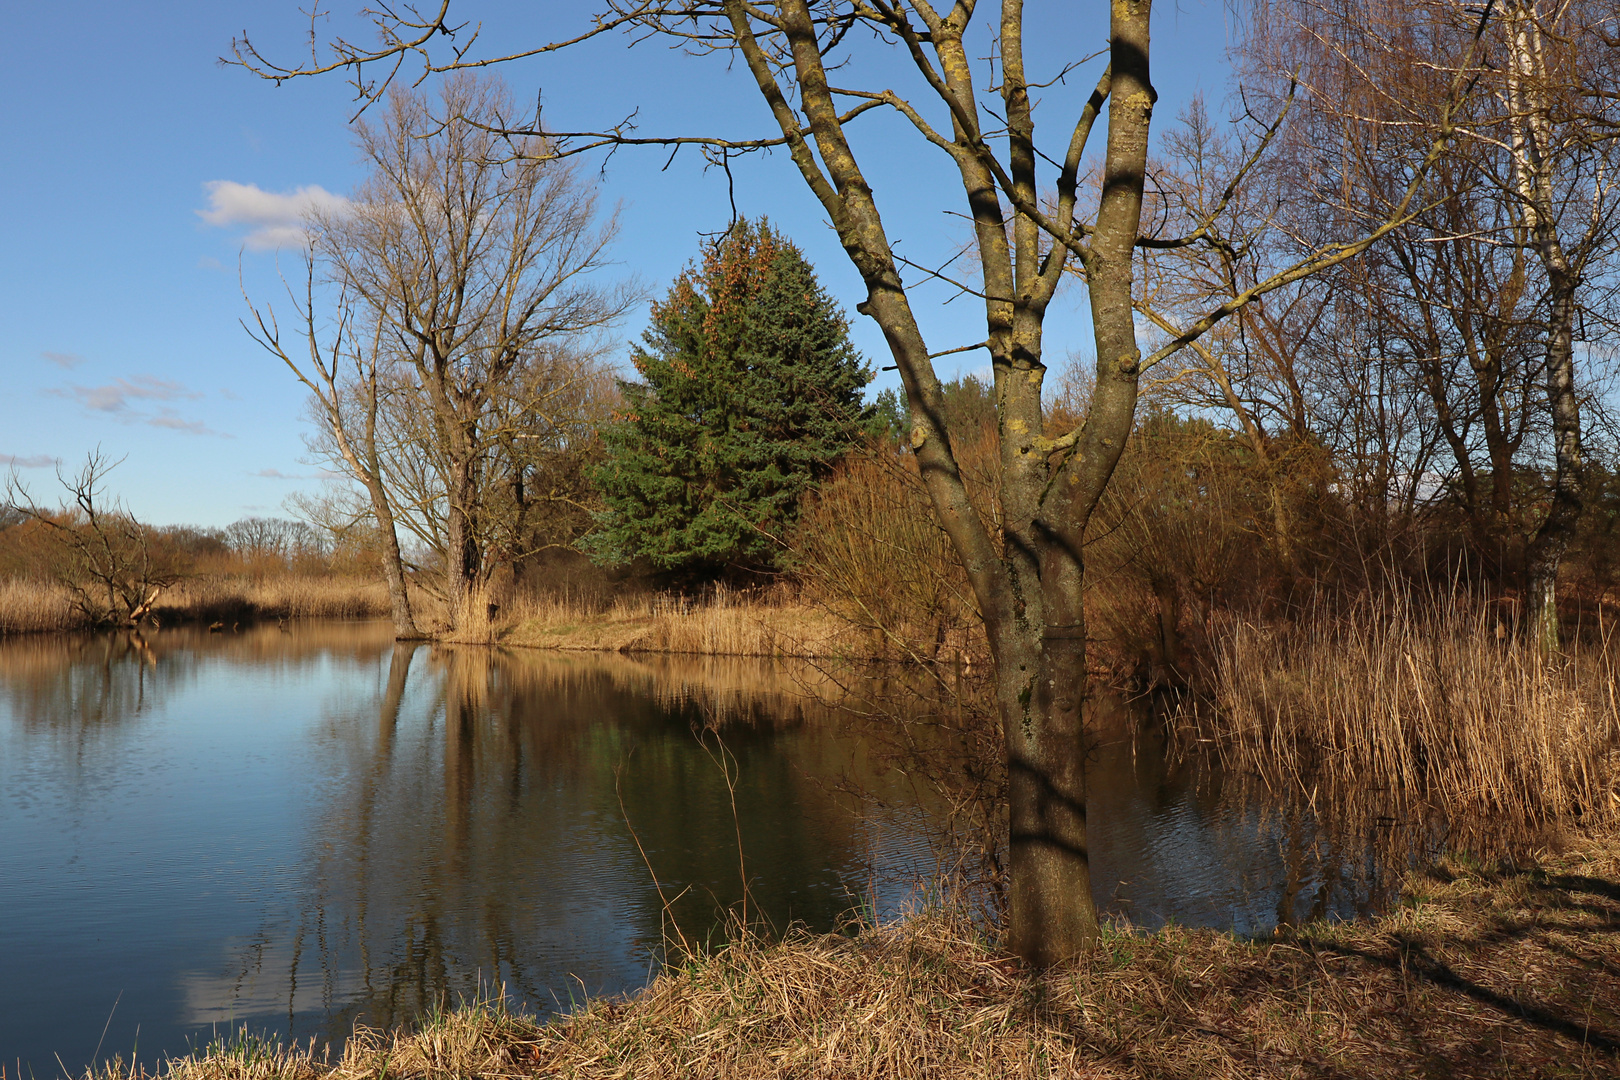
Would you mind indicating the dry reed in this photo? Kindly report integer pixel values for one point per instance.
(288, 596)
(1482, 973)
(1439, 712)
(723, 624)
(32, 606)
(28, 606)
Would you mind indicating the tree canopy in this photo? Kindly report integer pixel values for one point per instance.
(749, 389)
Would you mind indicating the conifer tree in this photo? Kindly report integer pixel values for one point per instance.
(749, 389)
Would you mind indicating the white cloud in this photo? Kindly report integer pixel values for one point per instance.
(173, 421)
(274, 219)
(63, 359)
(32, 461)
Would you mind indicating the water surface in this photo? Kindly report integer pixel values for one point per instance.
(301, 830)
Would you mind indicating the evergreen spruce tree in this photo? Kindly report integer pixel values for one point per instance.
(749, 389)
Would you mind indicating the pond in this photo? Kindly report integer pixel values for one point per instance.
(302, 829)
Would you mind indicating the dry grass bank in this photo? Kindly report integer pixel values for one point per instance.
(32, 606)
(1481, 973)
(724, 625)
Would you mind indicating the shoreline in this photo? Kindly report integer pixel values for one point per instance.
(32, 607)
(723, 627)
(1478, 972)
(647, 625)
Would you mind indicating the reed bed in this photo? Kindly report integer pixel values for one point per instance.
(723, 624)
(1504, 972)
(32, 606)
(28, 606)
(287, 596)
(1441, 712)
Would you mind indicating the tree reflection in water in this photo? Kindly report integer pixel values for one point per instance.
(477, 834)
(303, 830)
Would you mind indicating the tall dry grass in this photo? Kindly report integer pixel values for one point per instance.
(290, 596)
(1436, 711)
(722, 623)
(29, 605)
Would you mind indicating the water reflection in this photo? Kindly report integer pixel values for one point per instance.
(479, 830)
(1175, 840)
(302, 830)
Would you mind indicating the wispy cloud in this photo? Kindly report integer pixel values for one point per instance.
(32, 461)
(115, 397)
(274, 219)
(277, 474)
(63, 359)
(173, 421)
(139, 400)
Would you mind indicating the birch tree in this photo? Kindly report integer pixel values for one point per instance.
(1516, 245)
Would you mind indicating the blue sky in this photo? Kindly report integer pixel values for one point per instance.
(140, 173)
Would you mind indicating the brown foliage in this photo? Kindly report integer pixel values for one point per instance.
(868, 549)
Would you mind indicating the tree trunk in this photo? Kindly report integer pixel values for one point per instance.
(399, 600)
(1051, 914)
(1552, 539)
(1534, 149)
(461, 551)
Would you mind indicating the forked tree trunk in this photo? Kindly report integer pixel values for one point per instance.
(1029, 584)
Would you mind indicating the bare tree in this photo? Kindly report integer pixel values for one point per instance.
(473, 258)
(1029, 220)
(1483, 292)
(345, 374)
(1560, 118)
(459, 341)
(115, 567)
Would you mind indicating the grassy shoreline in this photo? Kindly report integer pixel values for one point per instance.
(725, 625)
(1480, 972)
(38, 607)
(722, 626)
